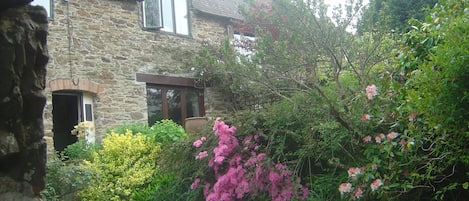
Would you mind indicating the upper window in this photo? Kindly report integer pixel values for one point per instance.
(244, 43)
(47, 4)
(166, 15)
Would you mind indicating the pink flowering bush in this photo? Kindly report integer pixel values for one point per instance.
(387, 156)
(371, 91)
(240, 172)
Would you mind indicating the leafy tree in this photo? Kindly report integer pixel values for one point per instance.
(393, 14)
(308, 75)
(436, 63)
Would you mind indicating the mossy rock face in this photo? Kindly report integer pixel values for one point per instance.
(23, 59)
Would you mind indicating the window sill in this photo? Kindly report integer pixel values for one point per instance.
(159, 31)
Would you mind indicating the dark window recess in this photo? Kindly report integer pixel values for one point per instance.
(88, 109)
(175, 103)
(152, 17)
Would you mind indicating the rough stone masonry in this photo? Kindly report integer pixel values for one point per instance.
(23, 59)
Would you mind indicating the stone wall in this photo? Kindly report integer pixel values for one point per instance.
(102, 41)
(23, 59)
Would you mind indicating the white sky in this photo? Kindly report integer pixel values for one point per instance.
(333, 3)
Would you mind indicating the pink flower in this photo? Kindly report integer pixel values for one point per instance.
(366, 139)
(392, 135)
(206, 189)
(345, 188)
(376, 184)
(197, 143)
(203, 138)
(357, 193)
(371, 91)
(402, 142)
(201, 155)
(274, 177)
(195, 184)
(353, 172)
(219, 159)
(379, 137)
(366, 117)
(280, 166)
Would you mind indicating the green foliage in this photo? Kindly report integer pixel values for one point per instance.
(124, 165)
(436, 67)
(81, 150)
(393, 15)
(166, 186)
(325, 187)
(165, 131)
(65, 178)
(429, 158)
(307, 80)
(134, 128)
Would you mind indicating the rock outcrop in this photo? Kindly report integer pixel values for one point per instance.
(23, 59)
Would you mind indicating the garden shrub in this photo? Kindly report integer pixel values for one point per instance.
(125, 164)
(81, 150)
(165, 131)
(65, 178)
(133, 127)
(239, 171)
(167, 186)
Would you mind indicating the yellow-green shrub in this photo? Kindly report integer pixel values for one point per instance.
(125, 164)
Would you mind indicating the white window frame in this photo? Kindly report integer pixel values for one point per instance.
(174, 16)
(238, 39)
(86, 114)
(159, 21)
(47, 4)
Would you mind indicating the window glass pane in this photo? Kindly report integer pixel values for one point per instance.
(88, 112)
(174, 105)
(154, 104)
(192, 103)
(168, 24)
(181, 15)
(151, 13)
(46, 4)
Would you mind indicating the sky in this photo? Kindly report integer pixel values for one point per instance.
(333, 3)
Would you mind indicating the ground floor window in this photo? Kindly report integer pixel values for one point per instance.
(174, 98)
(175, 103)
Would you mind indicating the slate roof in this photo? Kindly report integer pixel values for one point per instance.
(223, 8)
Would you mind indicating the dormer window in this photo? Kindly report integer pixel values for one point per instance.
(166, 15)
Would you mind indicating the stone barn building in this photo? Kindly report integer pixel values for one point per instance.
(114, 62)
